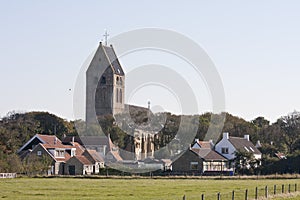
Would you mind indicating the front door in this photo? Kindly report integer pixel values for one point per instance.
(72, 169)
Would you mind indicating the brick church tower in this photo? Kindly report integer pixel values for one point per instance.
(105, 84)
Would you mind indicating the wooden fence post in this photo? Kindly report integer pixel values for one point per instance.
(282, 189)
(219, 196)
(266, 191)
(232, 194)
(274, 189)
(256, 193)
(202, 197)
(246, 194)
(289, 188)
(183, 198)
(295, 187)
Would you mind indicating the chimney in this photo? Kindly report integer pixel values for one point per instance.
(55, 140)
(258, 144)
(247, 137)
(226, 136)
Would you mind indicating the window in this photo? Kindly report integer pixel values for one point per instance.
(39, 153)
(246, 149)
(59, 153)
(224, 150)
(117, 95)
(120, 96)
(103, 80)
(194, 165)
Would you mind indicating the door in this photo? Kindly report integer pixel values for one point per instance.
(72, 169)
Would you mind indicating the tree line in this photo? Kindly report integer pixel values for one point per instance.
(281, 136)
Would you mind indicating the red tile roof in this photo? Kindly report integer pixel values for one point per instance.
(83, 160)
(205, 144)
(49, 139)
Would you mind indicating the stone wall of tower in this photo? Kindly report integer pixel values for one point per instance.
(104, 93)
(119, 94)
(97, 68)
(105, 88)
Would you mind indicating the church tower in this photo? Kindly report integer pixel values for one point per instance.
(105, 84)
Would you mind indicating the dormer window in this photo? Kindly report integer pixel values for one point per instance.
(246, 149)
(60, 153)
(73, 153)
(225, 150)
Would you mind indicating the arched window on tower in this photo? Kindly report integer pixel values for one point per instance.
(120, 95)
(117, 95)
(103, 80)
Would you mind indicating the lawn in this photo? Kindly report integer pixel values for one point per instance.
(133, 189)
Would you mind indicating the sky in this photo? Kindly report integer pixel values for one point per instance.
(255, 46)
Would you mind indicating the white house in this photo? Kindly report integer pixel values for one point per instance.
(229, 145)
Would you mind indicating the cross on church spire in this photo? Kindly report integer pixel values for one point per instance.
(105, 37)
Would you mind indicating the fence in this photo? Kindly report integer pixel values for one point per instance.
(8, 175)
(256, 193)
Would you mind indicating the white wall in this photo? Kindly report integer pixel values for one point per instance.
(224, 143)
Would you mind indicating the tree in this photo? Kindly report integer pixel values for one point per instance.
(36, 165)
(290, 126)
(260, 122)
(244, 162)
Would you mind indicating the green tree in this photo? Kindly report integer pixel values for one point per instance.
(290, 126)
(244, 162)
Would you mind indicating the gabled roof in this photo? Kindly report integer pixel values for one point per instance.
(113, 60)
(243, 144)
(79, 148)
(49, 139)
(95, 155)
(208, 154)
(212, 155)
(44, 139)
(204, 144)
(40, 144)
(83, 160)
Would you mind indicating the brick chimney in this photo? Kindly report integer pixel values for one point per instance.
(226, 136)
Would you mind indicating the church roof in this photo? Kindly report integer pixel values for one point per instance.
(111, 55)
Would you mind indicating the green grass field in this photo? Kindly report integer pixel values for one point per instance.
(133, 189)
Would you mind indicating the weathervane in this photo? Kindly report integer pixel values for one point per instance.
(105, 37)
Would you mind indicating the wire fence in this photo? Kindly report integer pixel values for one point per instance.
(247, 194)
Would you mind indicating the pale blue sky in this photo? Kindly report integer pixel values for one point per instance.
(255, 46)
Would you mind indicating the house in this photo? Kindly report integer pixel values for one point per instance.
(79, 165)
(200, 158)
(96, 159)
(228, 146)
(101, 144)
(189, 161)
(52, 148)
